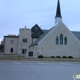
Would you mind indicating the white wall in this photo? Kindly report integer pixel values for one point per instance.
(49, 47)
(8, 45)
(24, 33)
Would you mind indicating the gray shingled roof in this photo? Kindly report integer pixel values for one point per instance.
(76, 34)
(45, 30)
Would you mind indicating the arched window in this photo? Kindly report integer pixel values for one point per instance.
(57, 40)
(61, 39)
(65, 40)
(11, 50)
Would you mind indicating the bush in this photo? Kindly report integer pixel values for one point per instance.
(58, 57)
(40, 56)
(52, 56)
(64, 57)
(70, 57)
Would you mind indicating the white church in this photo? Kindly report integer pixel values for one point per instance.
(57, 41)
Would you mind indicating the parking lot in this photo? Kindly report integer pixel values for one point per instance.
(38, 70)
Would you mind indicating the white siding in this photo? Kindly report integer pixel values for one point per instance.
(49, 47)
(8, 45)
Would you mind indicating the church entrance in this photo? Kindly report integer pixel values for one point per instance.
(24, 51)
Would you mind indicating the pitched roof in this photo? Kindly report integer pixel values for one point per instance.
(42, 36)
(46, 32)
(36, 31)
(77, 34)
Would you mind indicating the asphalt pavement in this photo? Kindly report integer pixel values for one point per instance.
(38, 70)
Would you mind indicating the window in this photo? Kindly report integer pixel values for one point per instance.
(65, 40)
(24, 40)
(30, 54)
(61, 39)
(57, 40)
(11, 41)
(11, 50)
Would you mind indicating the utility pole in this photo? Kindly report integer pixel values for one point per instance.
(19, 54)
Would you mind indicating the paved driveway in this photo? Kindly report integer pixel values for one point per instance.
(23, 70)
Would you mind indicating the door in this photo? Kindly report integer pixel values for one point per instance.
(24, 51)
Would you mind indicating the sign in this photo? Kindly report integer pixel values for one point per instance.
(40, 52)
(19, 52)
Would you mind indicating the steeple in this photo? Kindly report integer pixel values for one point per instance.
(58, 11)
(58, 17)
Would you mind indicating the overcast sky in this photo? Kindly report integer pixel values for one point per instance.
(15, 14)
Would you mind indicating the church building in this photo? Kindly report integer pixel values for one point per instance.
(57, 41)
